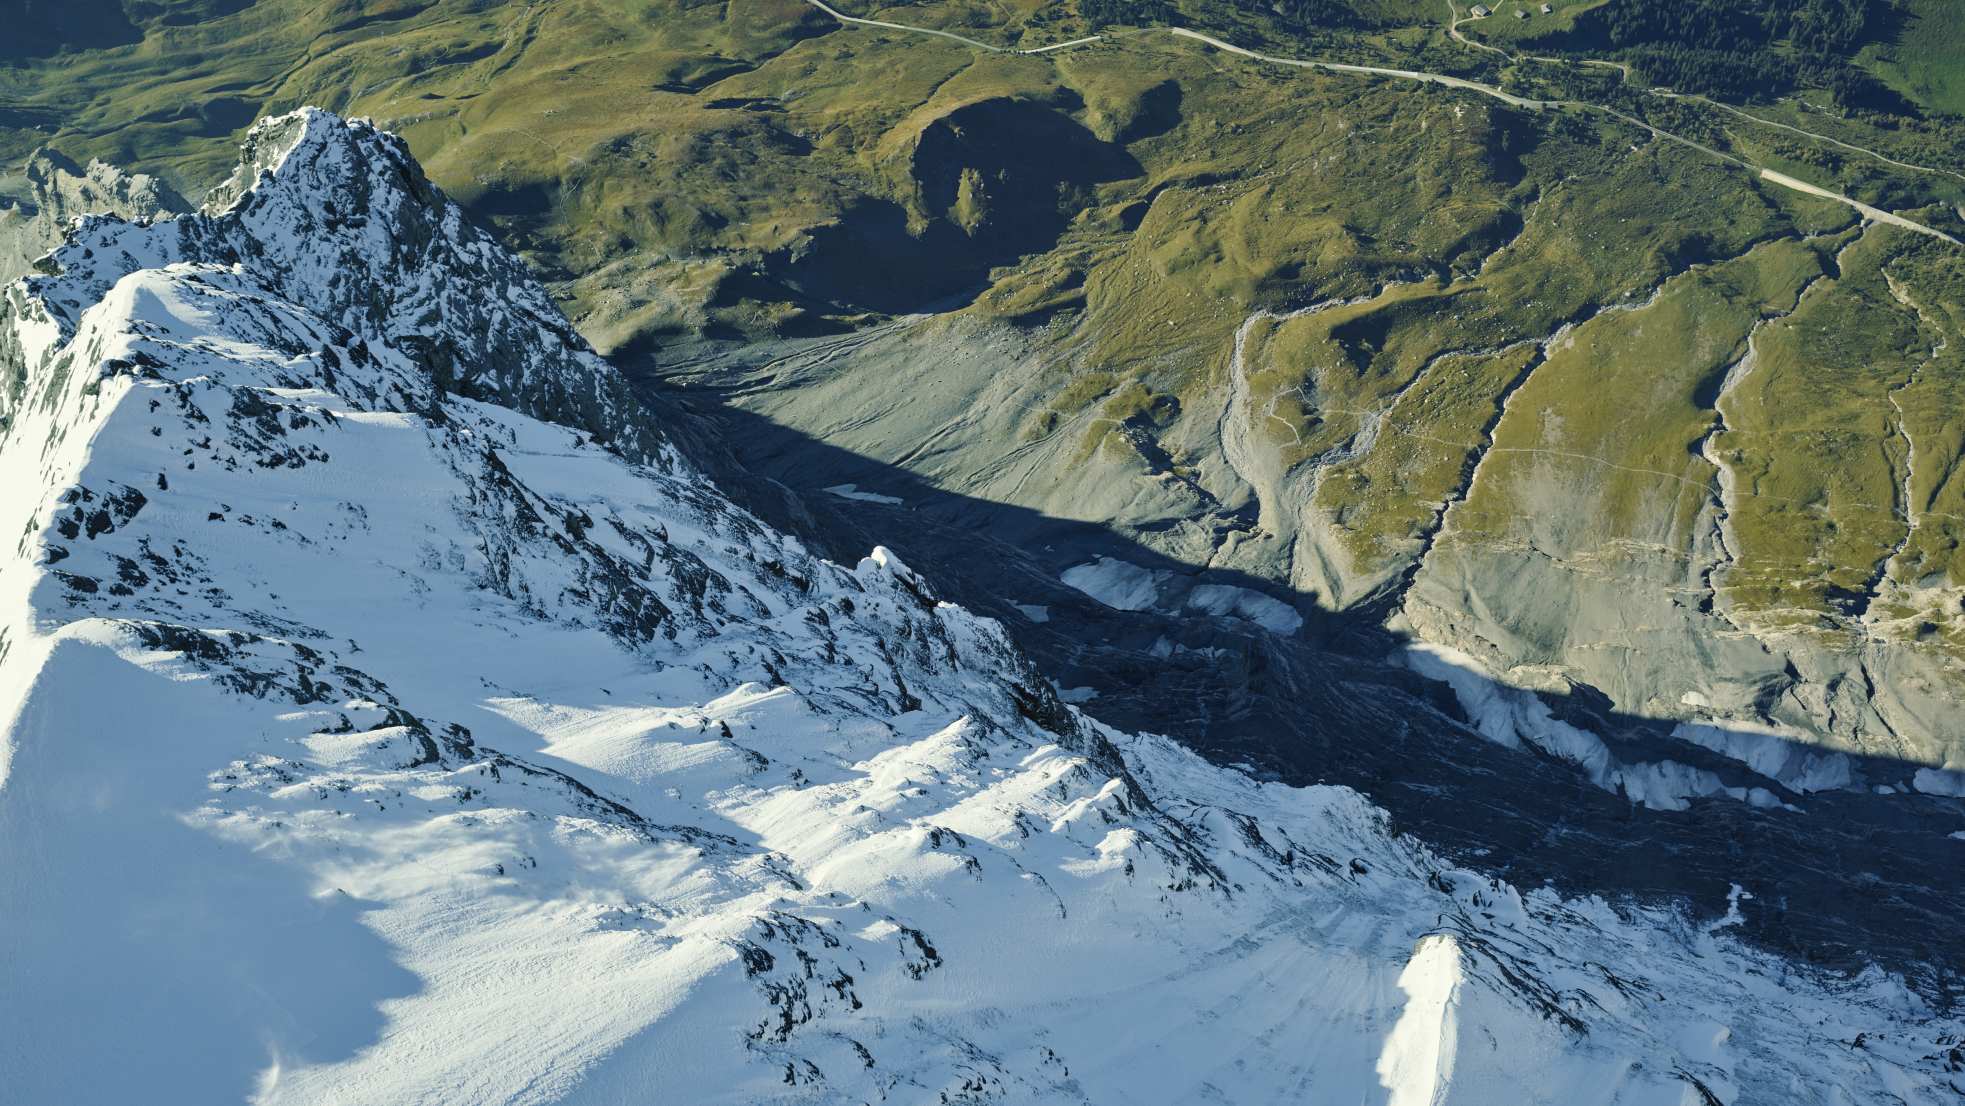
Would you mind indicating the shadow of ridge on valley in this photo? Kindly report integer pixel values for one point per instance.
(1840, 878)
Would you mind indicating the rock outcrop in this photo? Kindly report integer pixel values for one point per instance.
(60, 191)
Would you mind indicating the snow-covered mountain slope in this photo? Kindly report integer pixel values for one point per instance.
(392, 716)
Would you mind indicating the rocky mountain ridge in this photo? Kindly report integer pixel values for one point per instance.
(57, 191)
(1117, 229)
(382, 684)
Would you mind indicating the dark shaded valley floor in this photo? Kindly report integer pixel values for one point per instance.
(1851, 879)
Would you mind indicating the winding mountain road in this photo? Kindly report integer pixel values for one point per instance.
(844, 18)
(1453, 32)
(1869, 212)
(1836, 142)
(1370, 70)
(1768, 175)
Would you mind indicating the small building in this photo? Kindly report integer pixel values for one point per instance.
(1546, 9)
(1521, 14)
(1479, 11)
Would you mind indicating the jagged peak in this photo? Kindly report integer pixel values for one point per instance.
(336, 217)
(269, 144)
(53, 178)
(301, 207)
(323, 159)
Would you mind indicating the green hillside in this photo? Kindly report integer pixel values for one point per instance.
(1589, 335)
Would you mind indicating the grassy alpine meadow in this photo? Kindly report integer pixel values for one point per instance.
(1925, 60)
(1553, 297)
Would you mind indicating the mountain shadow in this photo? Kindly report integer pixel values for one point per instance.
(38, 30)
(983, 185)
(1840, 878)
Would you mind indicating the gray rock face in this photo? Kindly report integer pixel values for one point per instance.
(1191, 502)
(1856, 875)
(57, 191)
(1551, 606)
(1627, 628)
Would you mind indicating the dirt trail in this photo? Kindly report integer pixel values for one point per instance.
(1372, 70)
(1837, 142)
(844, 18)
(1869, 212)
(1453, 32)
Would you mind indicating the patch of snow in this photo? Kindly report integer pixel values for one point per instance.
(1033, 612)
(1939, 781)
(1416, 1064)
(1781, 757)
(852, 491)
(1115, 583)
(1513, 717)
(1734, 896)
(1128, 587)
(1246, 604)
